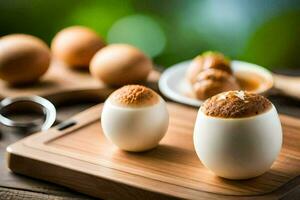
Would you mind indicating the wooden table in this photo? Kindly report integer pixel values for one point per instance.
(14, 186)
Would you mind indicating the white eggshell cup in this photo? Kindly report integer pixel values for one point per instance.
(135, 129)
(238, 148)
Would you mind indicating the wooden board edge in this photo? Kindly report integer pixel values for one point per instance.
(98, 187)
(18, 153)
(103, 189)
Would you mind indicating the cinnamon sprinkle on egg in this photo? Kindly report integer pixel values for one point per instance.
(235, 104)
(134, 96)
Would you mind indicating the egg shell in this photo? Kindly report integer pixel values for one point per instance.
(76, 46)
(238, 148)
(135, 129)
(23, 58)
(120, 64)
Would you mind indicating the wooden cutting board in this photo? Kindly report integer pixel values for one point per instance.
(78, 156)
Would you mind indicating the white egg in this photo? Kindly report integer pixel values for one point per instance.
(238, 148)
(134, 126)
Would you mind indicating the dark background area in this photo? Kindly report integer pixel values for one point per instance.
(265, 32)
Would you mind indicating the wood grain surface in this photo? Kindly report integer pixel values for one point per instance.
(58, 78)
(170, 170)
(63, 81)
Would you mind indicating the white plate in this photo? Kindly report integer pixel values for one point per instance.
(173, 84)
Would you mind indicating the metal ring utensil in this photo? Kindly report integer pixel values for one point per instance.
(42, 104)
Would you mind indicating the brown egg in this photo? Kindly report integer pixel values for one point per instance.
(23, 58)
(213, 81)
(207, 60)
(76, 46)
(120, 64)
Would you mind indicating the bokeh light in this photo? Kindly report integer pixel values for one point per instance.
(263, 32)
(275, 44)
(99, 15)
(141, 31)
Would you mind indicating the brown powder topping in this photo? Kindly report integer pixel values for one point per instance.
(235, 104)
(134, 96)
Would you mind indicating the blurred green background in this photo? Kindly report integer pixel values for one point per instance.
(266, 32)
